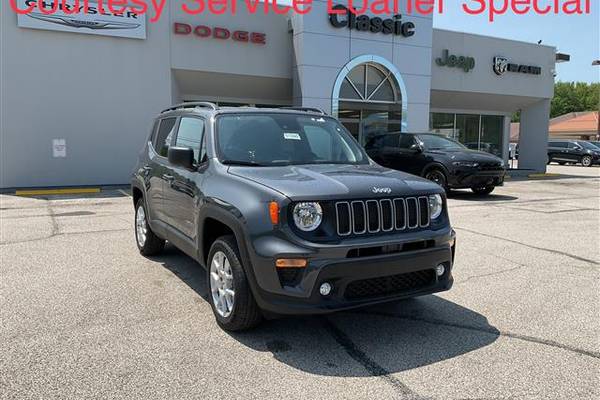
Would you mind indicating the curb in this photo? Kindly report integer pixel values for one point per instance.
(47, 192)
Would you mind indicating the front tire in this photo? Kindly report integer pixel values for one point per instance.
(436, 175)
(483, 191)
(229, 293)
(586, 161)
(147, 242)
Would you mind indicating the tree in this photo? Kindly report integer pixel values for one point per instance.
(574, 97)
(571, 97)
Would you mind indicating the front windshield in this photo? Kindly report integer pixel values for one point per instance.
(284, 139)
(589, 146)
(438, 142)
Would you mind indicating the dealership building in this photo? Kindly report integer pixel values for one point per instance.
(79, 92)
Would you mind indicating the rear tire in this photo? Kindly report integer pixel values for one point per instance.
(561, 163)
(485, 190)
(586, 161)
(229, 293)
(438, 176)
(147, 242)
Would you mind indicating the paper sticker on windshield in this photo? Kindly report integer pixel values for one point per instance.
(291, 136)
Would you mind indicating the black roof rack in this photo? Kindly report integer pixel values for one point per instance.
(307, 109)
(191, 104)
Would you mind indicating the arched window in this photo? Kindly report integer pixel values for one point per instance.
(369, 98)
(369, 82)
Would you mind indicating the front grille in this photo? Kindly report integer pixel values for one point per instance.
(384, 215)
(389, 285)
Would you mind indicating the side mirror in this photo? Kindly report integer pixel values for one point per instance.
(182, 156)
(416, 147)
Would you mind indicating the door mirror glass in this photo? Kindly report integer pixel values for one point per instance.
(416, 147)
(182, 157)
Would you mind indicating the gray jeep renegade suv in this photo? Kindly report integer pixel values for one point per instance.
(287, 213)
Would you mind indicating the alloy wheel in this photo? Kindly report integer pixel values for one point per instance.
(436, 177)
(586, 161)
(221, 284)
(141, 228)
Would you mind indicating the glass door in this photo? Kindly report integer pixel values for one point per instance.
(366, 120)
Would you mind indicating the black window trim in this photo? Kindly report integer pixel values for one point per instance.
(176, 126)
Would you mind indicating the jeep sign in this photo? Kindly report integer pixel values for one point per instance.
(449, 60)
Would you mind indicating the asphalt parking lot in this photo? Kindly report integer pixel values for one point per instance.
(83, 315)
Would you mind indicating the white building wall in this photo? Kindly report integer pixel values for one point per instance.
(98, 93)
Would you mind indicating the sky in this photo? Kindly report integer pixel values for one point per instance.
(577, 35)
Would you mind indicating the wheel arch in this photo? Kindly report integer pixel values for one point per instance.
(214, 222)
(435, 165)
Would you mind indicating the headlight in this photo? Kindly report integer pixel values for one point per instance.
(436, 205)
(467, 164)
(308, 216)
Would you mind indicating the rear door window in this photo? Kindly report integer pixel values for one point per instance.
(164, 136)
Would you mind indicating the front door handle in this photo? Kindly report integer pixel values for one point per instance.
(167, 177)
(147, 168)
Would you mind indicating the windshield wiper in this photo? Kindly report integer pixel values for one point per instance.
(242, 163)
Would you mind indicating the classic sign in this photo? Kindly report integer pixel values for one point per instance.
(348, 19)
(502, 64)
(450, 60)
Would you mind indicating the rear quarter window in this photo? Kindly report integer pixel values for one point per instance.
(164, 136)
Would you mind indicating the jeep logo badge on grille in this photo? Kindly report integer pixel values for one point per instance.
(385, 190)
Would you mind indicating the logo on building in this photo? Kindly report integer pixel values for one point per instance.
(203, 31)
(74, 16)
(342, 17)
(450, 60)
(500, 65)
(503, 65)
(81, 23)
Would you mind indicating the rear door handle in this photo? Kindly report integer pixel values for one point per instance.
(168, 177)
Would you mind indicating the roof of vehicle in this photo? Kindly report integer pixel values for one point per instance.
(211, 108)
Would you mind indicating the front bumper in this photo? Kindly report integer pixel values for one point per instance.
(468, 178)
(356, 281)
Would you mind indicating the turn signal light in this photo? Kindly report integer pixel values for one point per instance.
(290, 263)
(274, 212)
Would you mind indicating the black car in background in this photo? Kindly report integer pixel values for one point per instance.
(573, 152)
(439, 159)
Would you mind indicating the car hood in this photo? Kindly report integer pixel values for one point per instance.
(327, 182)
(469, 155)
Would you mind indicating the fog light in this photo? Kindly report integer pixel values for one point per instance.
(325, 289)
(440, 270)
